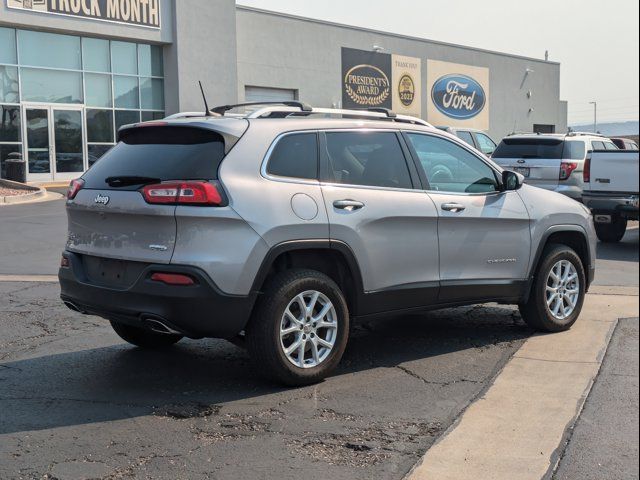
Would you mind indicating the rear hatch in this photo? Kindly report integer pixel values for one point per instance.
(537, 158)
(110, 218)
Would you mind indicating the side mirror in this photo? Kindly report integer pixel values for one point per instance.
(511, 180)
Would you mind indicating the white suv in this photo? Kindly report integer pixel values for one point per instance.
(551, 161)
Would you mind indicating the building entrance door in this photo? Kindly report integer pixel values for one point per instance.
(54, 140)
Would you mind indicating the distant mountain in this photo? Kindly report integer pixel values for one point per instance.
(610, 129)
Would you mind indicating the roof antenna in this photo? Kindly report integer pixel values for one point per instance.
(207, 112)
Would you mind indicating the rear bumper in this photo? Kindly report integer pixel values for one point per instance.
(195, 311)
(625, 205)
(571, 191)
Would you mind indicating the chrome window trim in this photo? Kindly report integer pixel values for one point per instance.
(283, 179)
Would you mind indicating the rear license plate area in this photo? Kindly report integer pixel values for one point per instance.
(111, 273)
(524, 171)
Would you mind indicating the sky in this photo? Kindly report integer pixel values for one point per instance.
(595, 41)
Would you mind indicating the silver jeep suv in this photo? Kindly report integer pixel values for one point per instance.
(281, 226)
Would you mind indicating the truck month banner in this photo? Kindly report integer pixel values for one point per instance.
(144, 13)
(458, 95)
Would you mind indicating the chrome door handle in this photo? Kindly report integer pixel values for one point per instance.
(348, 205)
(453, 207)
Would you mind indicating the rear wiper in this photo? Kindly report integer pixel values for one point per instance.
(128, 180)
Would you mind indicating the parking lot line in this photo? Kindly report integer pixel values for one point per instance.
(516, 428)
(29, 278)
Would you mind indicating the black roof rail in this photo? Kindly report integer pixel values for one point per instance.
(221, 110)
(386, 111)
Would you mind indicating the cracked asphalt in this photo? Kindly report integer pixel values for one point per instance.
(76, 402)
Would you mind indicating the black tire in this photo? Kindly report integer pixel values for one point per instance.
(263, 331)
(144, 338)
(611, 232)
(535, 312)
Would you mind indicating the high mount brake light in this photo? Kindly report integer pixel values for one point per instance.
(74, 187)
(566, 169)
(182, 193)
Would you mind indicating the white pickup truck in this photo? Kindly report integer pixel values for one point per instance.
(611, 191)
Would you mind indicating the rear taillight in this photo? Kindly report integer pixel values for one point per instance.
(173, 279)
(64, 262)
(586, 174)
(566, 169)
(183, 193)
(74, 187)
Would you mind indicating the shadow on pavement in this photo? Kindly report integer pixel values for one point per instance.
(120, 382)
(624, 251)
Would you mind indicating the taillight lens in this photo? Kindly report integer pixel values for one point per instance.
(74, 187)
(183, 193)
(586, 174)
(173, 279)
(566, 169)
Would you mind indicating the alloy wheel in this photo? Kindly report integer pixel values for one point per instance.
(562, 289)
(308, 329)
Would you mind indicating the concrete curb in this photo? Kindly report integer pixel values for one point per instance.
(38, 194)
(35, 193)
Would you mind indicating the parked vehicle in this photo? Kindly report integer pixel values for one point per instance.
(279, 227)
(550, 161)
(476, 138)
(625, 143)
(611, 191)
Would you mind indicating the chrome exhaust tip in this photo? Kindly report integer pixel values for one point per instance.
(158, 326)
(73, 306)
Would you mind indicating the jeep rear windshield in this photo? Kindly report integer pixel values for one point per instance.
(158, 153)
(545, 148)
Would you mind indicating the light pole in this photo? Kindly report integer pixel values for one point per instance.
(595, 116)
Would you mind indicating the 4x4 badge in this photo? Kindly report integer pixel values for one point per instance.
(101, 199)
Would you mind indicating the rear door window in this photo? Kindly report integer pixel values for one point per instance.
(596, 145)
(485, 144)
(374, 159)
(295, 156)
(574, 150)
(610, 146)
(159, 153)
(542, 148)
(466, 137)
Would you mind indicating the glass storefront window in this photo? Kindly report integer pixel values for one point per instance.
(51, 86)
(152, 93)
(125, 92)
(100, 126)
(95, 55)
(125, 117)
(8, 46)
(149, 116)
(124, 58)
(114, 83)
(97, 90)
(39, 49)
(8, 152)
(9, 84)
(150, 60)
(96, 152)
(9, 124)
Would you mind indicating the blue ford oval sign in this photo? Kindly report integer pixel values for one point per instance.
(458, 96)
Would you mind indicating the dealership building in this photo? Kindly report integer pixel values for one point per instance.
(73, 71)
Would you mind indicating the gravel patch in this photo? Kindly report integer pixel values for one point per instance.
(9, 192)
